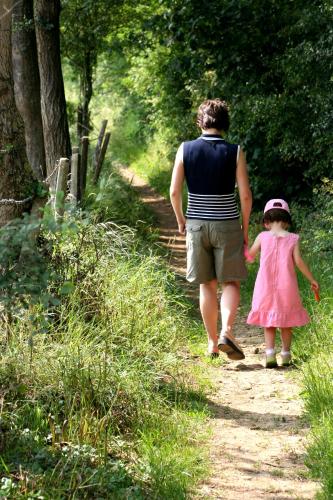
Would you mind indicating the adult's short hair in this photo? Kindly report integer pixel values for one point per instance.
(213, 113)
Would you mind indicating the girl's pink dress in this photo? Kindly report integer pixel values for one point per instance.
(276, 301)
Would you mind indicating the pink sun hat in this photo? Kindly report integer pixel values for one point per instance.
(277, 203)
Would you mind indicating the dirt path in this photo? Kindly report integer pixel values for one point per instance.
(257, 439)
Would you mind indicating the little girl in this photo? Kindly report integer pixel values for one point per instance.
(276, 301)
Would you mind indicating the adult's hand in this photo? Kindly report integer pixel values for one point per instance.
(181, 226)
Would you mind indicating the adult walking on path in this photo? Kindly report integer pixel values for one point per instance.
(214, 237)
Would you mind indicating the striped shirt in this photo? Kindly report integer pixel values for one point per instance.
(210, 172)
(212, 207)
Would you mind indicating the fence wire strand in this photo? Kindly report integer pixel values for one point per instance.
(11, 201)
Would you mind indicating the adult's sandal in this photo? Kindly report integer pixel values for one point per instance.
(232, 350)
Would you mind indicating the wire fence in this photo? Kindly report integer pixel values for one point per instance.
(11, 201)
(72, 171)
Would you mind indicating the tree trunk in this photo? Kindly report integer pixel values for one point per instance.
(86, 90)
(54, 113)
(27, 83)
(16, 176)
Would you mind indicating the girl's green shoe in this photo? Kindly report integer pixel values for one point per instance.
(271, 361)
(286, 359)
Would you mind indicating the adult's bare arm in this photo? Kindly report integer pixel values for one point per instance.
(176, 190)
(245, 193)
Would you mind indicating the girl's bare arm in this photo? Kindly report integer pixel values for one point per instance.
(302, 266)
(255, 247)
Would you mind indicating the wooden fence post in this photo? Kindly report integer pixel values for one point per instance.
(75, 176)
(52, 178)
(84, 164)
(101, 158)
(51, 184)
(99, 143)
(63, 170)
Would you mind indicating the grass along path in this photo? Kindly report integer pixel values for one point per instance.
(257, 438)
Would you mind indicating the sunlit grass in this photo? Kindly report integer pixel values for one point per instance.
(105, 404)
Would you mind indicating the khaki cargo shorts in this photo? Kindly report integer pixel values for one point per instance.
(214, 251)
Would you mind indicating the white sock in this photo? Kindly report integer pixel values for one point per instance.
(270, 352)
(285, 353)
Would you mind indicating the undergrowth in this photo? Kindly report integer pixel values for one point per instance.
(100, 402)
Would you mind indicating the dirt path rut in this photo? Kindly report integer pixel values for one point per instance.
(257, 440)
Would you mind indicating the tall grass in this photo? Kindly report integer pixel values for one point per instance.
(315, 348)
(103, 405)
(314, 343)
(153, 162)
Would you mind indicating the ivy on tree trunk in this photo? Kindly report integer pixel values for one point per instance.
(16, 176)
(27, 83)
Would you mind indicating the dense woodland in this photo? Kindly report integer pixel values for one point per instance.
(144, 66)
(272, 61)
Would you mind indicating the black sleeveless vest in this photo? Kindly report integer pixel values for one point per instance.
(210, 172)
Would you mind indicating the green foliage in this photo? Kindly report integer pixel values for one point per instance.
(102, 406)
(124, 206)
(318, 394)
(273, 63)
(24, 277)
(85, 27)
(27, 24)
(318, 236)
(25, 271)
(85, 24)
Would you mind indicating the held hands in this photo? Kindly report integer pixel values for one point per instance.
(247, 255)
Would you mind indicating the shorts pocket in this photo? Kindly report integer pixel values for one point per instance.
(193, 235)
